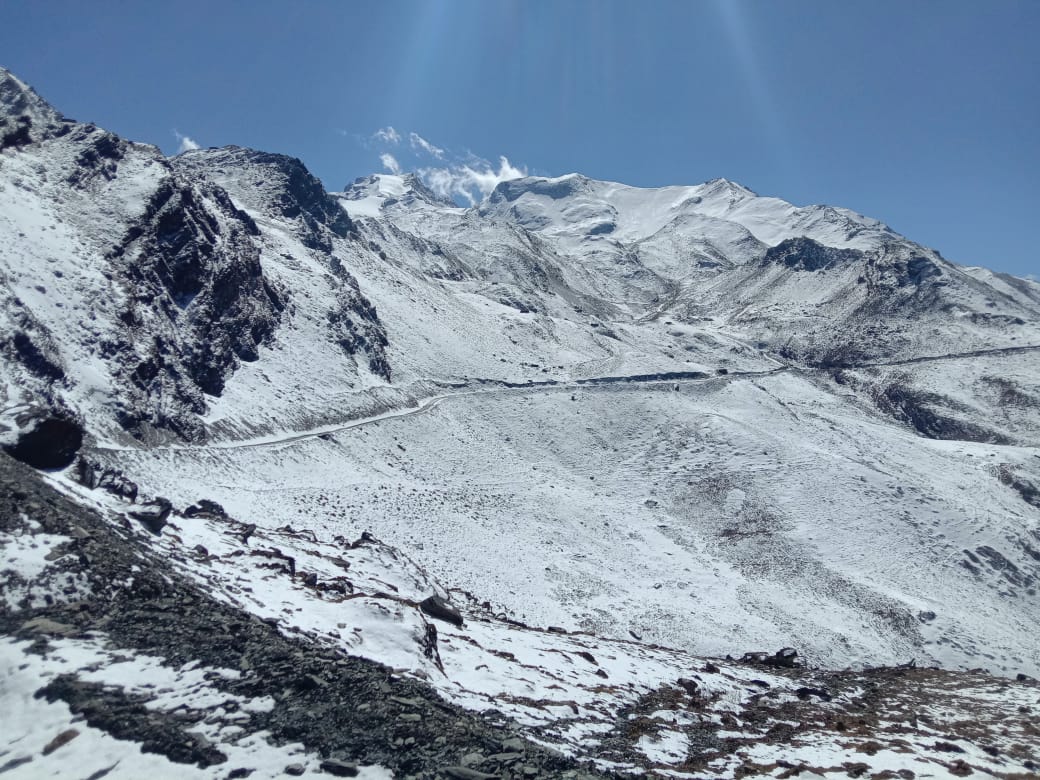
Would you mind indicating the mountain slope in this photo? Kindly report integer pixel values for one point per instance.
(643, 425)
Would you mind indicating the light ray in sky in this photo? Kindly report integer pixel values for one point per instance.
(738, 30)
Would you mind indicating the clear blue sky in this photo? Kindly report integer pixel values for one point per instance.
(925, 114)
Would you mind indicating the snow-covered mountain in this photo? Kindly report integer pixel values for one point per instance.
(667, 423)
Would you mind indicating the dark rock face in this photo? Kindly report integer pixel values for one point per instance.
(920, 410)
(25, 117)
(30, 344)
(917, 269)
(15, 133)
(48, 442)
(356, 327)
(294, 193)
(21, 346)
(200, 303)
(804, 254)
(1029, 492)
(99, 158)
(282, 188)
(304, 197)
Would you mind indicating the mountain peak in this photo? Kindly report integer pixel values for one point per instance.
(555, 188)
(25, 117)
(720, 184)
(366, 196)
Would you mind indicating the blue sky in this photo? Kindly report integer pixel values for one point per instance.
(924, 114)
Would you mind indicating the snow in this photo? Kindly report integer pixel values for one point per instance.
(665, 747)
(705, 519)
(31, 722)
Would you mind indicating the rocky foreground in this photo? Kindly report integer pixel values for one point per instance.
(114, 662)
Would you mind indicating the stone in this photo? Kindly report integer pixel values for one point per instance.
(804, 693)
(42, 625)
(505, 758)
(465, 773)
(63, 738)
(338, 768)
(441, 609)
(206, 508)
(153, 514)
(294, 770)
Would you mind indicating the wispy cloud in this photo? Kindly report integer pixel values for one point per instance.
(387, 135)
(421, 144)
(461, 177)
(390, 163)
(472, 182)
(186, 144)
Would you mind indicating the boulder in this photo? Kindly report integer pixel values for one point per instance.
(95, 476)
(153, 514)
(46, 441)
(786, 658)
(337, 768)
(441, 609)
(206, 508)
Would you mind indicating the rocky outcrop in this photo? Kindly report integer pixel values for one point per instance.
(200, 304)
(25, 117)
(927, 413)
(804, 254)
(355, 325)
(95, 476)
(287, 191)
(100, 155)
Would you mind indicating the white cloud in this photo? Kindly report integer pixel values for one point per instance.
(390, 163)
(458, 177)
(387, 135)
(421, 144)
(472, 182)
(186, 144)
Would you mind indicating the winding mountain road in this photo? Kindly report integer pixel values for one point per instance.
(493, 386)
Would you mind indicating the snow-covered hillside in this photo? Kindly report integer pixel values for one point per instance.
(640, 425)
